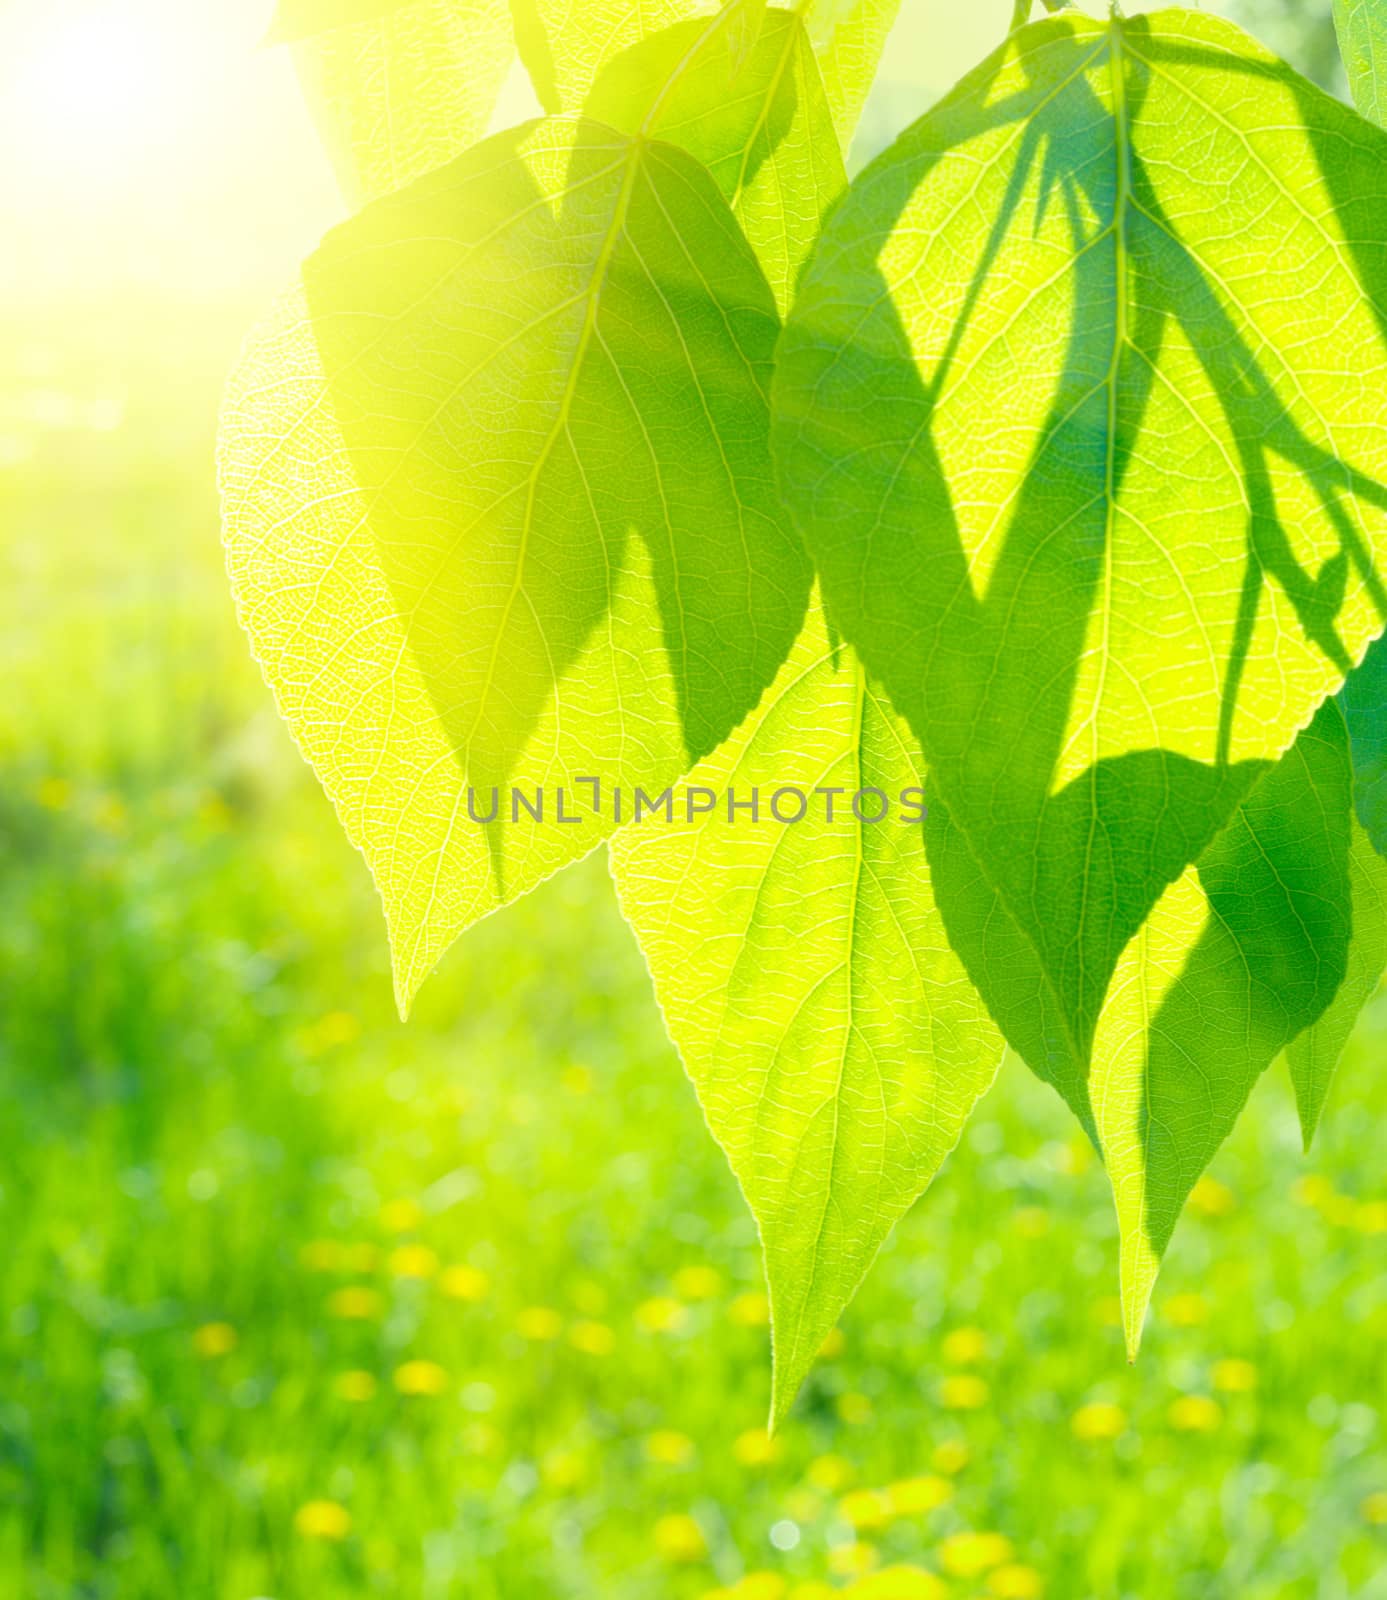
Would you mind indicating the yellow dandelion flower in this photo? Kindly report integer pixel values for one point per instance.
(214, 1339)
(950, 1456)
(421, 1378)
(963, 1392)
(355, 1304)
(1371, 1217)
(54, 794)
(356, 1386)
(759, 1586)
(866, 1509)
(1374, 1509)
(661, 1314)
(564, 1469)
(854, 1409)
(321, 1255)
(413, 1261)
(854, 1560)
(1195, 1413)
(1099, 1419)
(1234, 1377)
(669, 1448)
(756, 1448)
(899, 1583)
(969, 1555)
(679, 1539)
(323, 1519)
(1211, 1198)
(750, 1311)
(360, 1257)
(577, 1080)
(830, 1473)
(592, 1338)
(965, 1346)
(833, 1346)
(464, 1283)
(401, 1216)
(913, 1497)
(697, 1283)
(1186, 1310)
(1015, 1582)
(539, 1324)
(1031, 1222)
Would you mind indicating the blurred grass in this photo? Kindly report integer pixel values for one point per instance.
(298, 1303)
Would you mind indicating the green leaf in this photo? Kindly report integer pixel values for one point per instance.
(1364, 699)
(404, 88)
(748, 17)
(500, 512)
(1093, 479)
(1244, 951)
(849, 37)
(1313, 1056)
(1362, 29)
(804, 974)
(768, 140)
(301, 19)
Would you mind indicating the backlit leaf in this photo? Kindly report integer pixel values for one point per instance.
(803, 971)
(499, 509)
(1093, 482)
(1362, 29)
(403, 88)
(762, 127)
(301, 19)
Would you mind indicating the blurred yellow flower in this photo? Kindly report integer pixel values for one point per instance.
(355, 1304)
(813, 1590)
(1212, 1198)
(1186, 1310)
(421, 1378)
(854, 1560)
(1015, 1582)
(854, 1409)
(1031, 1222)
(564, 1469)
(1234, 1376)
(1374, 1508)
(866, 1509)
(481, 1438)
(697, 1282)
(756, 1448)
(750, 1311)
(899, 1583)
(54, 794)
(577, 1080)
(678, 1538)
(669, 1448)
(830, 1473)
(913, 1497)
(400, 1216)
(1099, 1419)
(323, 1519)
(969, 1555)
(592, 1338)
(833, 1346)
(413, 1261)
(963, 1392)
(355, 1386)
(464, 1283)
(214, 1339)
(661, 1314)
(965, 1346)
(950, 1456)
(1313, 1190)
(759, 1586)
(360, 1257)
(321, 1255)
(540, 1324)
(1195, 1413)
(1371, 1217)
